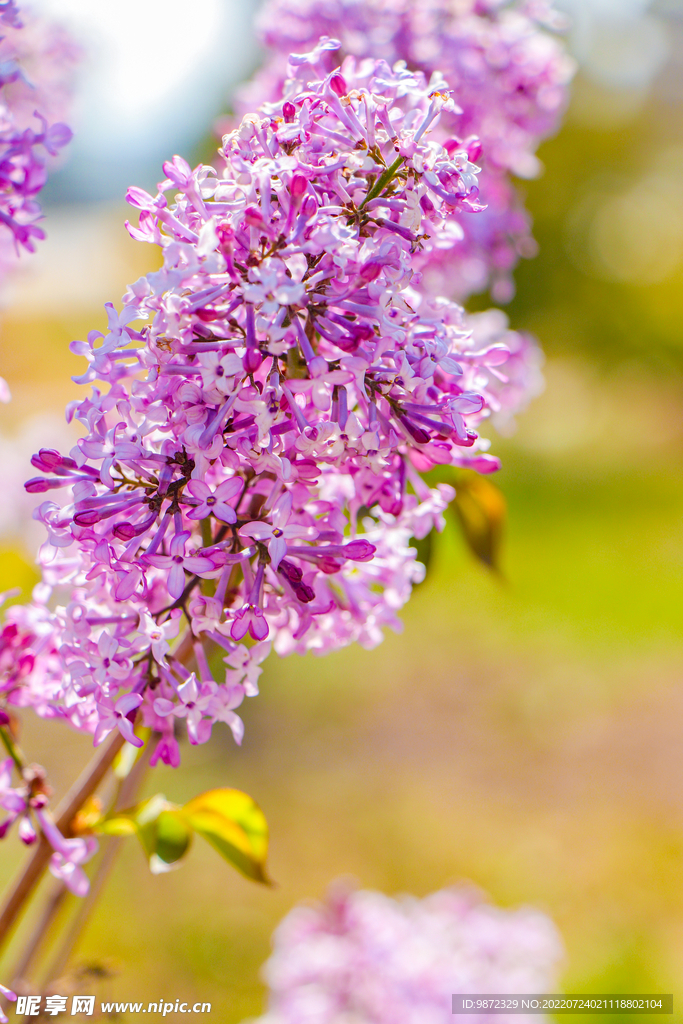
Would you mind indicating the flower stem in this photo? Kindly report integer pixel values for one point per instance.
(20, 974)
(83, 787)
(13, 750)
(127, 793)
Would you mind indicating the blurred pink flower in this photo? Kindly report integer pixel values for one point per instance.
(369, 959)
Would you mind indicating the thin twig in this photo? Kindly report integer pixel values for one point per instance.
(84, 786)
(13, 750)
(126, 795)
(20, 974)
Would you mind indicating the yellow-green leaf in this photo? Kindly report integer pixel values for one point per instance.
(163, 831)
(235, 826)
(116, 827)
(481, 509)
(173, 836)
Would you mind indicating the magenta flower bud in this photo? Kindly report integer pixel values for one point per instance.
(208, 314)
(426, 204)
(474, 149)
(288, 111)
(126, 531)
(298, 185)
(90, 517)
(338, 85)
(4, 718)
(417, 433)
(359, 550)
(251, 360)
(370, 271)
(27, 833)
(452, 145)
(49, 461)
(40, 484)
(305, 593)
(253, 216)
(309, 207)
(292, 572)
(328, 565)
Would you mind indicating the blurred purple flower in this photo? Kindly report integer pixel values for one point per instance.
(366, 958)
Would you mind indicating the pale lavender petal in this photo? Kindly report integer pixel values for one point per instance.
(176, 580)
(277, 549)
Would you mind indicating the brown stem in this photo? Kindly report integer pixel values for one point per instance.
(21, 970)
(84, 786)
(126, 795)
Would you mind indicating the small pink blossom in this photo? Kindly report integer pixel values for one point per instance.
(280, 531)
(201, 705)
(177, 563)
(215, 502)
(116, 716)
(65, 863)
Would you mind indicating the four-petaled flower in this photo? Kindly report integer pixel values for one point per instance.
(194, 704)
(279, 532)
(177, 562)
(215, 502)
(116, 716)
(218, 372)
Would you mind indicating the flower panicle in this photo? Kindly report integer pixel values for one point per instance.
(262, 410)
(509, 73)
(37, 72)
(403, 959)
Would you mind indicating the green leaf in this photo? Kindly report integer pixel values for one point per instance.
(173, 836)
(160, 826)
(235, 826)
(144, 817)
(227, 818)
(482, 510)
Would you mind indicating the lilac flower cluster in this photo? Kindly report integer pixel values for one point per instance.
(37, 61)
(509, 75)
(366, 958)
(252, 467)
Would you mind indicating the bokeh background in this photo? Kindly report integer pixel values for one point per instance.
(525, 731)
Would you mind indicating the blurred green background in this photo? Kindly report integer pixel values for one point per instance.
(525, 731)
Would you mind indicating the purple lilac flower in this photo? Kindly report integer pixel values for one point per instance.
(283, 364)
(26, 803)
(9, 13)
(37, 63)
(40, 57)
(511, 389)
(366, 958)
(509, 76)
(69, 854)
